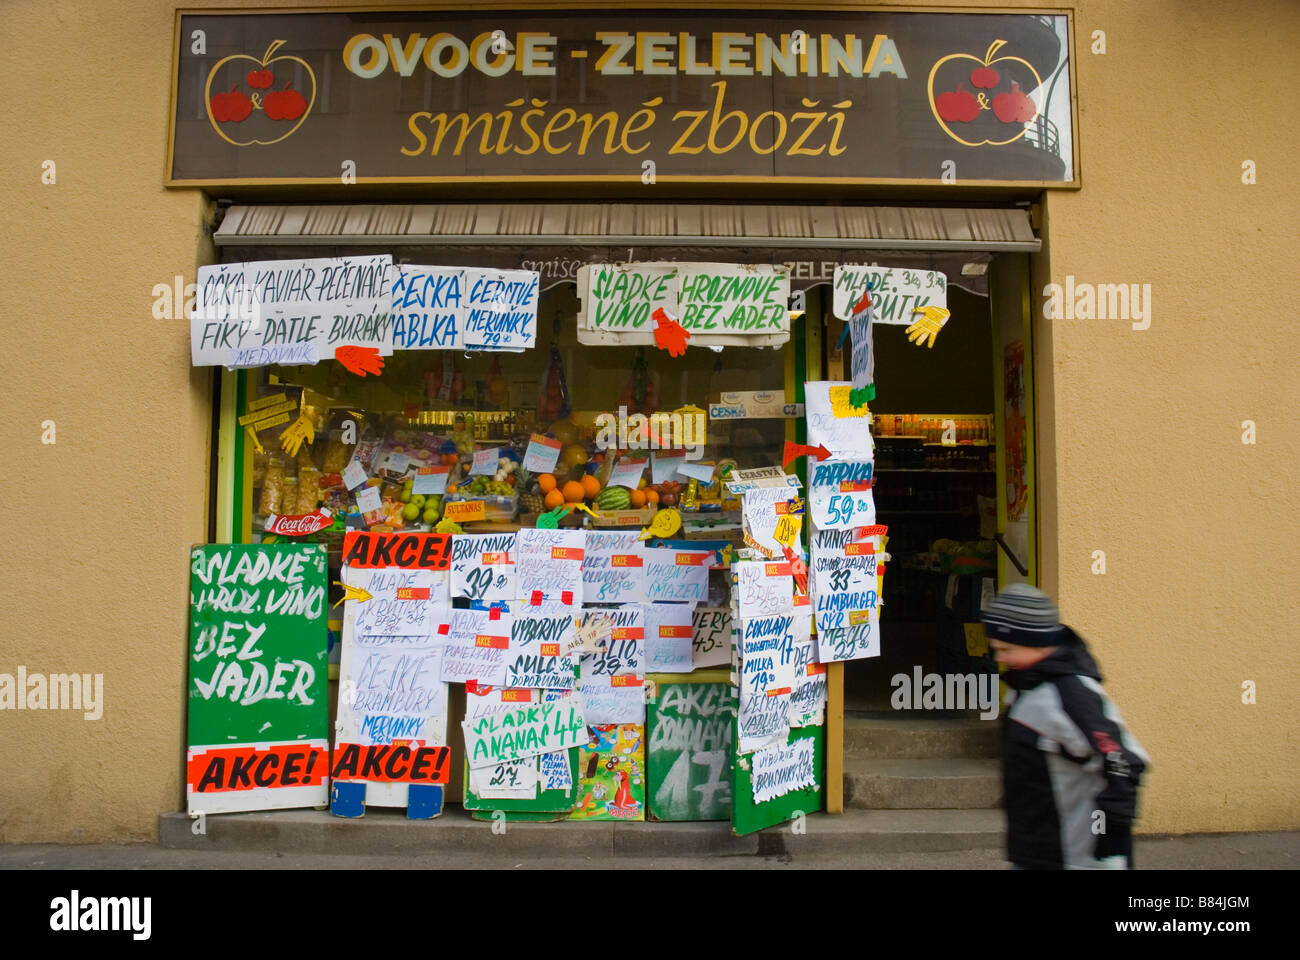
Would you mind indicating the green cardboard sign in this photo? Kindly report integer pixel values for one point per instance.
(689, 748)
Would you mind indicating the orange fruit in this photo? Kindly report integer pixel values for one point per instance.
(554, 499)
(637, 499)
(590, 487)
(573, 492)
(451, 488)
(547, 482)
(651, 496)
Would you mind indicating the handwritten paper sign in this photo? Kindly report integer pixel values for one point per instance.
(628, 472)
(843, 429)
(842, 580)
(862, 358)
(430, 480)
(542, 454)
(603, 702)
(427, 310)
(286, 334)
(808, 699)
(894, 291)
(677, 576)
(737, 301)
(524, 731)
(669, 631)
(767, 677)
(761, 511)
(554, 772)
(711, 637)
(840, 493)
(510, 779)
(541, 638)
(483, 566)
(612, 567)
(742, 481)
(403, 603)
(622, 654)
(664, 466)
(477, 646)
(369, 502)
(257, 676)
(485, 462)
(549, 562)
(621, 299)
(783, 768)
(857, 639)
(763, 587)
(501, 309)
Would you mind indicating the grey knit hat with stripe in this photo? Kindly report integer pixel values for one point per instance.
(1024, 615)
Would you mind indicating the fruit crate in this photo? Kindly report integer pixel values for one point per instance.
(628, 517)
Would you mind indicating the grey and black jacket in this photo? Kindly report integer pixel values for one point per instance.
(1070, 768)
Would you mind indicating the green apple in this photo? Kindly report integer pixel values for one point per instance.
(410, 512)
(419, 499)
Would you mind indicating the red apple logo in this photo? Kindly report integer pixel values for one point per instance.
(267, 117)
(232, 107)
(1014, 107)
(284, 104)
(959, 106)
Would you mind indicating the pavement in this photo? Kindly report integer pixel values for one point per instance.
(285, 842)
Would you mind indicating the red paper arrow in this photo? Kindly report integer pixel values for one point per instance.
(793, 451)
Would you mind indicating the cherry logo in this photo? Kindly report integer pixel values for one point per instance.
(267, 115)
(231, 107)
(959, 105)
(1014, 107)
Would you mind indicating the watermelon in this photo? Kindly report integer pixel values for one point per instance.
(613, 498)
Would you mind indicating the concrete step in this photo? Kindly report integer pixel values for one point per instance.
(908, 736)
(389, 833)
(928, 784)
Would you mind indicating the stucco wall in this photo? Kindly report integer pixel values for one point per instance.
(1140, 429)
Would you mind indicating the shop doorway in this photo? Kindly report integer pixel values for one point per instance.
(954, 484)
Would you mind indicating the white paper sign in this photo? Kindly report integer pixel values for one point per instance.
(354, 475)
(485, 462)
(843, 429)
(288, 334)
(862, 358)
(541, 455)
(476, 647)
(843, 585)
(482, 566)
(676, 576)
(427, 308)
(763, 587)
(858, 639)
(523, 731)
(501, 309)
(895, 291)
(664, 465)
(555, 772)
(603, 703)
(711, 639)
(761, 511)
(734, 300)
(702, 472)
(430, 481)
(840, 493)
(808, 700)
(669, 629)
(767, 678)
(612, 567)
(541, 636)
(623, 652)
(368, 500)
(403, 602)
(549, 561)
(783, 768)
(628, 472)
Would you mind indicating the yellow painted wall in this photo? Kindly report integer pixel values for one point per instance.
(1139, 431)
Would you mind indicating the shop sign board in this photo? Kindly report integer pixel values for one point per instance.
(895, 292)
(688, 750)
(258, 716)
(344, 97)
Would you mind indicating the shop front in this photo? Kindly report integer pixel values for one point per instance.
(613, 411)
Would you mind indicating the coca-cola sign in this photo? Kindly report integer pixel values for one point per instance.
(300, 525)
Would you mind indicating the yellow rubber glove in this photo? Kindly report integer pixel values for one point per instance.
(931, 322)
(302, 429)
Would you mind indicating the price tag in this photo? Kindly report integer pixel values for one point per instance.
(461, 511)
(787, 529)
(702, 472)
(664, 465)
(369, 500)
(431, 480)
(354, 475)
(485, 462)
(542, 454)
(628, 472)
